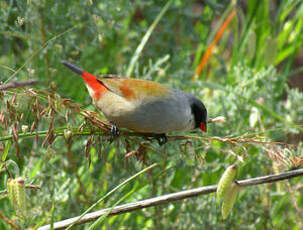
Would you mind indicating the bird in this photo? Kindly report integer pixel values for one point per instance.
(143, 106)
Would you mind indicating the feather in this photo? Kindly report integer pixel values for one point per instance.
(136, 89)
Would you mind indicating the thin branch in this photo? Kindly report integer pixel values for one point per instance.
(125, 133)
(170, 198)
(8, 221)
(16, 84)
(28, 186)
(31, 186)
(231, 140)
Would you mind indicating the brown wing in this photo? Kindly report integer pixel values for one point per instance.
(111, 76)
(136, 89)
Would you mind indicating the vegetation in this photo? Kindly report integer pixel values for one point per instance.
(52, 136)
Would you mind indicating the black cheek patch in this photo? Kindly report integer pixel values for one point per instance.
(200, 113)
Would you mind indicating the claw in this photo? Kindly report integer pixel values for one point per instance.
(162, 139)
(114, 132)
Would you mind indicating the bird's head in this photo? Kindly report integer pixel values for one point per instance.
(200, 113)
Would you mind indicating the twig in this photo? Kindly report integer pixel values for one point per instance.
(8, 221)
(171, 197)
(29, 186)
(16, 84)
(231, 140)
(88, 132)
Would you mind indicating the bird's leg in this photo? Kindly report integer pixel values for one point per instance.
(161, 138)
(114, 132)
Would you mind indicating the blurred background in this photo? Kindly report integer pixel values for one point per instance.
(254, 78)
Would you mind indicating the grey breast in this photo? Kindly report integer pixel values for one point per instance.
(161, 116)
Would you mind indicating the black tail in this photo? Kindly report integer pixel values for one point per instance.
(71, 66)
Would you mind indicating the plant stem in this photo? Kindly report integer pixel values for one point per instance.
(160, 200)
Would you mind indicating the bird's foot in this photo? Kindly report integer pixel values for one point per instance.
(161, 138)
(114, 132)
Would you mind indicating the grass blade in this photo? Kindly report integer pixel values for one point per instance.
(144, 40)
(112, 191)
(209, 50)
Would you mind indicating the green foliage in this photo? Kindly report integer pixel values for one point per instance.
(245, 80)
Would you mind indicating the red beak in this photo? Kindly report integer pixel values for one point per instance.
(203, 127)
